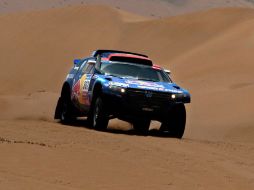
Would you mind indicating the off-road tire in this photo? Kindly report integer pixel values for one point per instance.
(67, 111)
(99, 117)
(174, 124)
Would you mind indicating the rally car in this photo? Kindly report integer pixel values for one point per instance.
(124, 85)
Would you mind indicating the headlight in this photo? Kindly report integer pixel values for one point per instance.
(117, 88)
(178, 96)
(123, 90)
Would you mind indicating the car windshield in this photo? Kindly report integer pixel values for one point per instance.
(135, 71)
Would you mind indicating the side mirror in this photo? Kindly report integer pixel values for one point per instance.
(77, 61)
(168, 72)
(98, 62)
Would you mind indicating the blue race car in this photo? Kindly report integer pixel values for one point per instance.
(124, 85)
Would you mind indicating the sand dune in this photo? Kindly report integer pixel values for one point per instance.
(149, 8)
(208, 52)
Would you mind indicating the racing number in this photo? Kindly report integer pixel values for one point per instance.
(85, 83)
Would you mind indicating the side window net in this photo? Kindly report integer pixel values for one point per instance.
(88, 68)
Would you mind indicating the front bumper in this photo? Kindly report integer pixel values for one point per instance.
(135, 103)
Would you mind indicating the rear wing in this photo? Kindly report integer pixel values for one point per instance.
(130, 58)
(102, 53)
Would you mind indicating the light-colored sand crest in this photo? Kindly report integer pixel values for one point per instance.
(48, 41)
(221, 79)
(150, 8)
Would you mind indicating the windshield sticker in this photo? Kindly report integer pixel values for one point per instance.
(118, 84)
(144, 83)
(148, 87)
(174, 91)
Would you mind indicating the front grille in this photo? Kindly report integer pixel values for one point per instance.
(147, 97)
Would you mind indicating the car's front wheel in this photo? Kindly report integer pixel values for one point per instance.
(174, 124)
(66, 112)
(99, 117)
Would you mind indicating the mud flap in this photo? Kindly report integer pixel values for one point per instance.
(59, 107)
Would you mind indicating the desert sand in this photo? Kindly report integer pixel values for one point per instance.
(209, 53)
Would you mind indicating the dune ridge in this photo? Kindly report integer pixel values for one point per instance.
(148, 8)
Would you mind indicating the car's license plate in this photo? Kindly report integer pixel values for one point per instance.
(147, 109)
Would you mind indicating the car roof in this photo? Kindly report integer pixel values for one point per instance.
(136, 59)
(124, 57)
(127, 56)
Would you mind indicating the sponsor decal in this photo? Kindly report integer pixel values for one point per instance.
(174, 91)
(70, 76)
(84, 85)
(144, 83)
(148, 94)
(148, 87)
(119, 84)
(80, 90)
(75, 90)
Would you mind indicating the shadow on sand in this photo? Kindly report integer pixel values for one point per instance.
(83, 123)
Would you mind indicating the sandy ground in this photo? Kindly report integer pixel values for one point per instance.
(208, 52)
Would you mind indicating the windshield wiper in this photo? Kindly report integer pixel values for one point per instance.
(144, 79)
(111, 75)
(129, 77)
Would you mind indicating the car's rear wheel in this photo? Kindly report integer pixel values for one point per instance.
(99, 117)
(174, 124)
(142, 126)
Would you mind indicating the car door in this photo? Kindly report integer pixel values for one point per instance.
(76, 85)
(81, 87)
